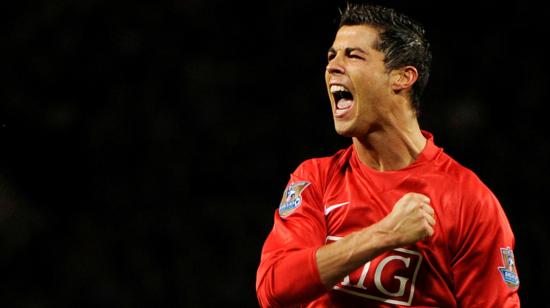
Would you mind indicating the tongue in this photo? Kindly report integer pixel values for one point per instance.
(344, 103)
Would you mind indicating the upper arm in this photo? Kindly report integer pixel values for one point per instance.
(484, 269)
(287, 272)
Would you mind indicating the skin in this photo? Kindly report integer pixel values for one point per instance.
(386, 135)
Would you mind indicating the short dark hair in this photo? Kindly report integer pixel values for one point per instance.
(402, 40)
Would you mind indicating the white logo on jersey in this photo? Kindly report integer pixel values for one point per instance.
(393, 280)
(329, 209)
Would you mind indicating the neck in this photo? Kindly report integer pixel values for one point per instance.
(391, 147)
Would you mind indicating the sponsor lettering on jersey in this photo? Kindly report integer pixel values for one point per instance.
(508, 271)
(388, 278)
(292, 198)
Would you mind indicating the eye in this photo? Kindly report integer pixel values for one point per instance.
(330, 56)
(356, 56)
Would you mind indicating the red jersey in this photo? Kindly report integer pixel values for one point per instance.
(468, 262)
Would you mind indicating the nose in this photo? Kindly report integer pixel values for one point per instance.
(335, 66)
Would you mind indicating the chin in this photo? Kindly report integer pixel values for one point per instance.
(343, 131)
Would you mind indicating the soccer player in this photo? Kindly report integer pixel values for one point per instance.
(392, 220)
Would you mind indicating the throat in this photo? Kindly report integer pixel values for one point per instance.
(388, 153)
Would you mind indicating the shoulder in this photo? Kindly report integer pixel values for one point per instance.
(324, 166)
(470, 207)
(319, 171)
(445, 169)
(466, 180)
(470, 198)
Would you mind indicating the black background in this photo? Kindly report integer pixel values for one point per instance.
(146, 145)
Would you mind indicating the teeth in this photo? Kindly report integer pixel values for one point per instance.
(336, 88)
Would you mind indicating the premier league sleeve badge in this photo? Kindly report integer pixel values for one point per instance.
(292, 198)
(508, 271)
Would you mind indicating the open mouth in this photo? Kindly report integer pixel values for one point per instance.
(343, 99)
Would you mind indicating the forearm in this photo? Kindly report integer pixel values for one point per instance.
(338, 259)
(290, 281)
(303, 275)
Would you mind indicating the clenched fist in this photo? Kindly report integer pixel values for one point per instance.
(411, 220)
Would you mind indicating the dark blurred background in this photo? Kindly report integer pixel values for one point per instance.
(144, 146)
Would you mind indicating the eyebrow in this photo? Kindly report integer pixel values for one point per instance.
(347, 50)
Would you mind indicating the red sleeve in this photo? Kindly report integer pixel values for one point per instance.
(288, 274)
(483, 265)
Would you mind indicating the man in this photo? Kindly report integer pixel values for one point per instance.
(392, 220)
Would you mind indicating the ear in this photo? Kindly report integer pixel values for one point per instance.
(403, 78)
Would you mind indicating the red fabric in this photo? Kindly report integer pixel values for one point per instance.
(457, 267)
